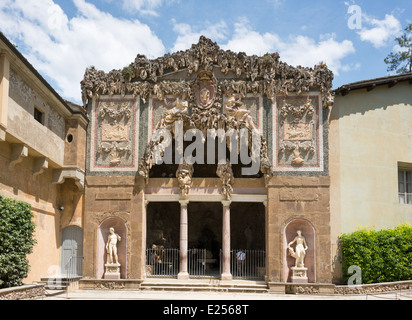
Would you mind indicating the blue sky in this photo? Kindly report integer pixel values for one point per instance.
(63, 37)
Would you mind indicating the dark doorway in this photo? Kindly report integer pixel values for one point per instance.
(205, 233)
(163, 224)
(247, 226)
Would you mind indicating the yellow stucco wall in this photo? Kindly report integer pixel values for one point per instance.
(370, 133)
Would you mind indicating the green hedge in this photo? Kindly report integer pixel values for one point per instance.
(383, 256)
(16, 241)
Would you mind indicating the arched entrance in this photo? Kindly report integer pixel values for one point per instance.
(72, 251)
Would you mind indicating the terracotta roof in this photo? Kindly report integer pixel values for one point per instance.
(390, 81)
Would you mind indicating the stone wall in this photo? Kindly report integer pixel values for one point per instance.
(119, 199)
(23, 292)
(299, 203)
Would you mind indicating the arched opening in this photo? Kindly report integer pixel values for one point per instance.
(289, 234)
(102, 237)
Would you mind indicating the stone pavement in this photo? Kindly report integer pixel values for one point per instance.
(214, 296)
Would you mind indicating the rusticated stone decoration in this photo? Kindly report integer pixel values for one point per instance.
(265, 75)
(193, 86)
(114, 138)
(299, 134)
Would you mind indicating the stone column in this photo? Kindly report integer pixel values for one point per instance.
(183, 273)
(226, 275)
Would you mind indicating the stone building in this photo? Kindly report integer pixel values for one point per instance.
(42, 158)
(207, 207)
(371, 155)
(205, 162)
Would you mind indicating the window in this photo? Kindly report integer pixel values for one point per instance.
(38, 115)
(405, 186)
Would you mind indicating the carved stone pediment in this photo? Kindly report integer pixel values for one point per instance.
(258, 75)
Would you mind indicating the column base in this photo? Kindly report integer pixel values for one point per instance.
(226, 276)
(183, 276)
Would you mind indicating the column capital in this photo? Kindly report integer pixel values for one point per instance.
(226, 203)
(184, 202)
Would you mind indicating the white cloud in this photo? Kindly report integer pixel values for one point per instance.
(307, 52)
(187, 36)
(148, 7)
(380, 31)
(295, 50)
(143, 6)
(61, 48)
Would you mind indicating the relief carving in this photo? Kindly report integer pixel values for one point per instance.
(297, 130)
(115, 132)
(236, 109)
(205, 90)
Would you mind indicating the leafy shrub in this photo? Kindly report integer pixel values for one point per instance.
(383, 256)
(16, 241)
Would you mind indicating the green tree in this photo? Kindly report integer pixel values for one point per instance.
(401, 62)
(16, 241)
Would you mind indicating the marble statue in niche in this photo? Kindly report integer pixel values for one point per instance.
(300, 250)
(111, 247)
(299, 272)
(112, 264)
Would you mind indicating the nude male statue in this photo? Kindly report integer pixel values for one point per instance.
(111, 247)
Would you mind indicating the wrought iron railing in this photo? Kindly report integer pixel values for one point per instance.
(197, 262)
(161, 262)
(247, 264)
(74, 268)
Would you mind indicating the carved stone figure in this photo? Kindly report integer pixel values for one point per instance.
(111, 247)
(235, 108)
(184, 176)
(180, 108)
(225, 173)
(300, 250)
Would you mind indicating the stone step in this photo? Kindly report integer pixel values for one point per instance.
(51, 292)
(205, 286)
(57, 283)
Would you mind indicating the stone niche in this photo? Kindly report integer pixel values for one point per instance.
(290, 232)
(103, 232)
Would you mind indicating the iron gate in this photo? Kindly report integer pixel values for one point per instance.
(162, 263)
(244, 264)
(247, 264)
